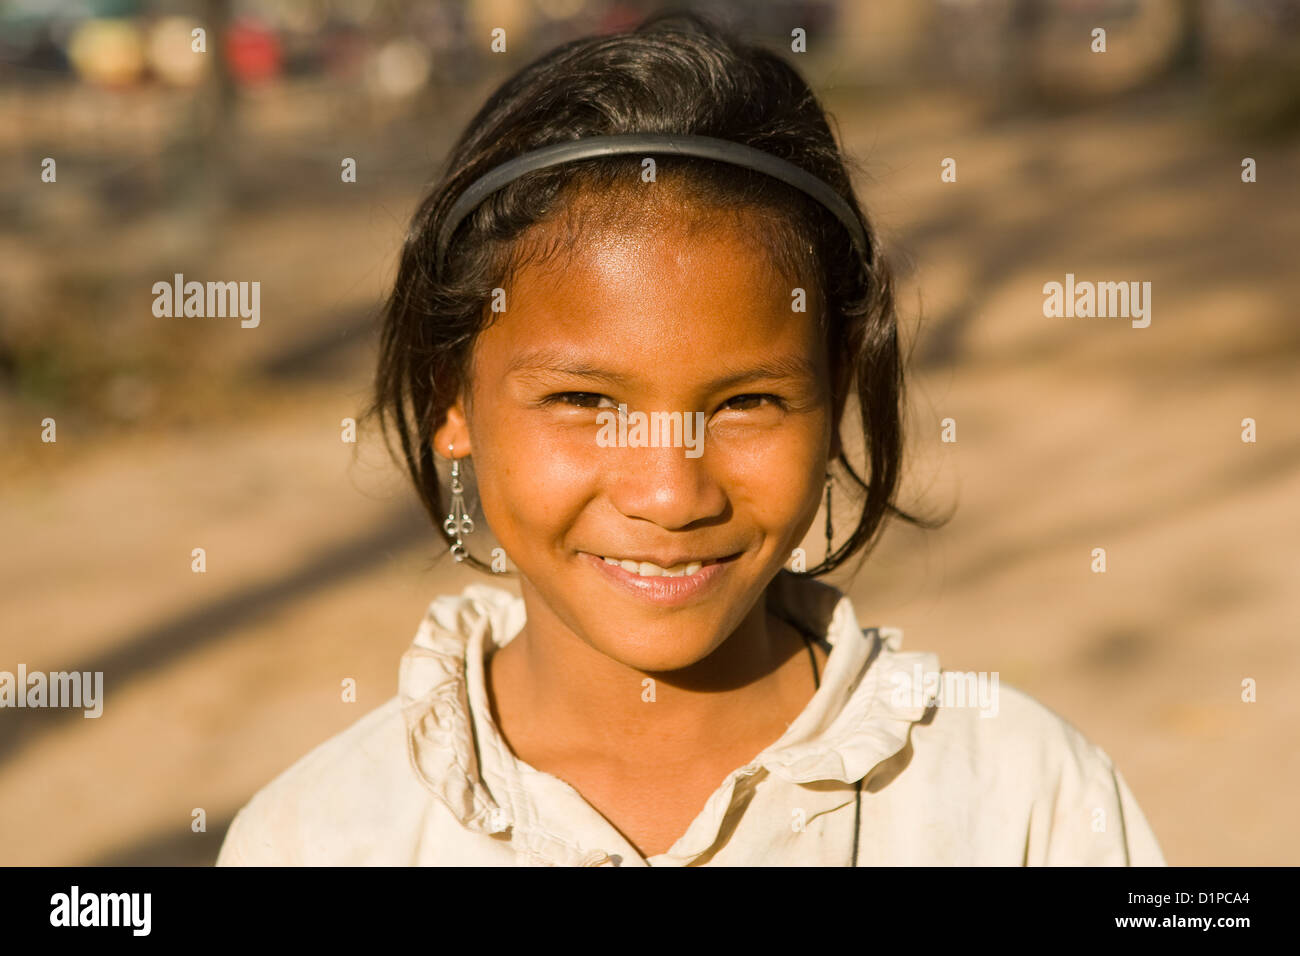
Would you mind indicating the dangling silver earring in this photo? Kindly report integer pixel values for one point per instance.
(829, 533)
(458, 521)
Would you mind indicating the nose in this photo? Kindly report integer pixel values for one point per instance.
(664, 486)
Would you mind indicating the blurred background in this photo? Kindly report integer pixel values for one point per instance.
(1072, 434)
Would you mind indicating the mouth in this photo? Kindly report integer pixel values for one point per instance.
(651, 569)
(679, 580)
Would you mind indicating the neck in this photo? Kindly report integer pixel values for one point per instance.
(547, 677)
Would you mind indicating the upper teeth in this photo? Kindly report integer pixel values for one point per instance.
(646, 569)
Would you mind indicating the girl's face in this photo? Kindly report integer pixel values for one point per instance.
(660, 321)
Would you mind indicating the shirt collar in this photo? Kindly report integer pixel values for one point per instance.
(853, 724)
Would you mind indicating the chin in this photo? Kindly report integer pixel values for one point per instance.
(662, 652)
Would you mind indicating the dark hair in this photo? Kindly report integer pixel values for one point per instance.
(675, 73)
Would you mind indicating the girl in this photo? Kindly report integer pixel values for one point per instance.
(638, 233)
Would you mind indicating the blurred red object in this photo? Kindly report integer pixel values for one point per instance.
(252, 51)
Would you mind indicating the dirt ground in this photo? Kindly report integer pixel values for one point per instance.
(1072, 434)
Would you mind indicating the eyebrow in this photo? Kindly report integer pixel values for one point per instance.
(782, 368)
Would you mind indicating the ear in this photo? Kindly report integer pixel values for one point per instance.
(452, 436)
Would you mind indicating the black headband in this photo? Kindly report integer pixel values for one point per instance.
(705, 147)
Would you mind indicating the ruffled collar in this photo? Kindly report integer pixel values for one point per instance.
(852, 726)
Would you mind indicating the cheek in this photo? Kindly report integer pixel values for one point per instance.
(535, 479)
(769, 475)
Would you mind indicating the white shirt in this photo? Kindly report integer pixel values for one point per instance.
(426, 779)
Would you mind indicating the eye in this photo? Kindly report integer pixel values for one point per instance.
(745, 403)
(578, 400)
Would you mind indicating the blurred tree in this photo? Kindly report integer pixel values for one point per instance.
(205, 154)
(1189, 50)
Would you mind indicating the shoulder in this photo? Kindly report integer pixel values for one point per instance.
(1006, 739)
(328, 806)
(1034, 770)
(980, 713)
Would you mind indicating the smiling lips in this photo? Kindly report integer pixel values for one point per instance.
(648, 569)
(679, 584)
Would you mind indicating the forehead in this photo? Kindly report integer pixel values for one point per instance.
(667, 291)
